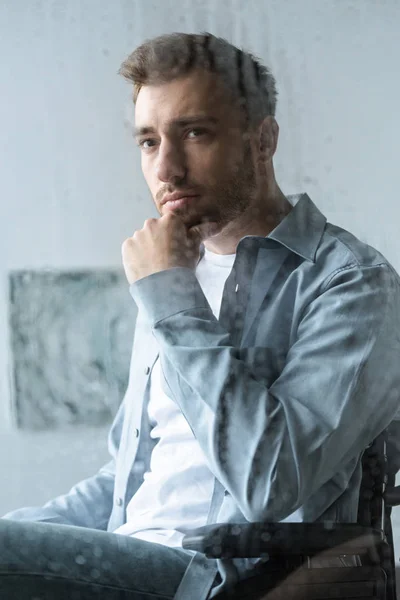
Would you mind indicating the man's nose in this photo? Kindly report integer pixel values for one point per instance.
(171, 164)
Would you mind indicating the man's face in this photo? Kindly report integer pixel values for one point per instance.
(191, 137)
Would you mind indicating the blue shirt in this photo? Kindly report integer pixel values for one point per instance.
(299, 374)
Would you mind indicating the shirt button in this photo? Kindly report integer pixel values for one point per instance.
(136, 433)
(147, 370)
(118, 501)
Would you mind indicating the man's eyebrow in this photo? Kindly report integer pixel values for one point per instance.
(181, 122)
(139, 131)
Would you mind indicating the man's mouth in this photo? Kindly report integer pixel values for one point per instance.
(179, 202)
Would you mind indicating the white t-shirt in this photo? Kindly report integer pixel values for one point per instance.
(176, 493)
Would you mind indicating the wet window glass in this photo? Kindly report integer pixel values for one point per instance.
(199, 299)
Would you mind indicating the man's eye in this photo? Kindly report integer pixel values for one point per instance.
(145, 144)
(198, 131)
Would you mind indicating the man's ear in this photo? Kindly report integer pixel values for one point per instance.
(268, 138)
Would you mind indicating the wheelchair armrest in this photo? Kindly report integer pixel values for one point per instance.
(251, 540)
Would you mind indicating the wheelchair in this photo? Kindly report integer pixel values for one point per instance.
(291, 547)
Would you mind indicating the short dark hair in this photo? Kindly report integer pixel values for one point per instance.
(170, 56)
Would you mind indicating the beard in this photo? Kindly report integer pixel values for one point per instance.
(235, 197)
(227, 200)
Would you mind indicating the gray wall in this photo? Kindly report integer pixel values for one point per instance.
(70, 183)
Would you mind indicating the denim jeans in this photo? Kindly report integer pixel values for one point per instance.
(43, 561)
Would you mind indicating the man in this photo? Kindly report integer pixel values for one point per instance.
(265, 356)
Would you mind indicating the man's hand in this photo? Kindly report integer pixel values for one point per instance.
(162, 244)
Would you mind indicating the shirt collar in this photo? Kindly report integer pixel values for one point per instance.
(300, 231)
